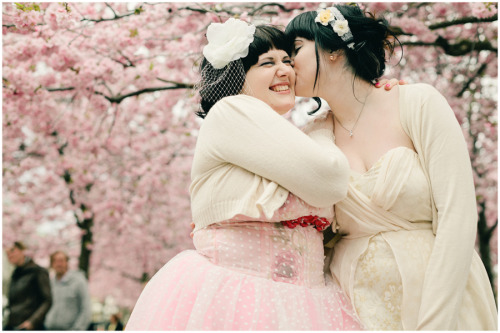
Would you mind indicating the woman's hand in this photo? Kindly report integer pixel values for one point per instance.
(388, 84)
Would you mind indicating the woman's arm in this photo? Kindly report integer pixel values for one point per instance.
(448, 165)
(246, 132)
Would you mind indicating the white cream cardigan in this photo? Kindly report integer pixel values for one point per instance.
(245, 149)
(430, 122)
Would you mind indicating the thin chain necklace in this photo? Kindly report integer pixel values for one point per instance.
(356, 122)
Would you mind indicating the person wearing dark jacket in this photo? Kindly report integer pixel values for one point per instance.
(29, 292)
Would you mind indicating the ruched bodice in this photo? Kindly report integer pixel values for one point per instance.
(386, 223)
(392, 185)
(387, 262)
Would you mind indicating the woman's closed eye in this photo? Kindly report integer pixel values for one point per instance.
(267, 63)
(272, 63)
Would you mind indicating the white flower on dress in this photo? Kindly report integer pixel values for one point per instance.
(227, 42)
(341, 27)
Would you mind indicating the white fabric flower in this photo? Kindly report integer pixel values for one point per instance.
(227, 42)
(324, 16)
(341, 27)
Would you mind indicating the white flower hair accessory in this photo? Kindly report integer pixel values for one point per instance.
(227, 42)
(333, 17)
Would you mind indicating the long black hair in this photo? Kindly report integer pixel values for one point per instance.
(371, 38)
(231, 80)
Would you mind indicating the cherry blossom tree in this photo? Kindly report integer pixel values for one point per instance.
(99, 126)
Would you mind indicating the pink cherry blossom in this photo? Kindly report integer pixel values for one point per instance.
(98, 125)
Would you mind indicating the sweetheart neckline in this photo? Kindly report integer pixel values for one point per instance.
(381, 157)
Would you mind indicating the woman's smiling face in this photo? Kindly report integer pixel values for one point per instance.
(272, 80)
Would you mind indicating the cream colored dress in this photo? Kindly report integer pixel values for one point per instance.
(398, 265)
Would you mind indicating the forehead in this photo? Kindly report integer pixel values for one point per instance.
(302, 40)
(274, 53)
(13, 249)
(59, 255)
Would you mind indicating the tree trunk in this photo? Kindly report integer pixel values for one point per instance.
(485, 234)
(86, 240)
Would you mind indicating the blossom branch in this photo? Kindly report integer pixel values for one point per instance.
(458, 49)
(137, 11)
(118, 99)
(463, 21)
(279, 5)
(472, 78)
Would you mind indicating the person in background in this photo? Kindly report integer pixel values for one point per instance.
(71, 300)
(29, 291)
(115, 324)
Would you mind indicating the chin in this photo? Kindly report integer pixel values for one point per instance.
(282, 109)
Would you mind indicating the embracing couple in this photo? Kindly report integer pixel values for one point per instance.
(386, 171)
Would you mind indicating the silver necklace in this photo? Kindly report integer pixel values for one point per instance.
(356, 122)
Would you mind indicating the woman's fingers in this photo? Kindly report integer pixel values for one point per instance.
(388, 84)
(192, 227)
(381, 83)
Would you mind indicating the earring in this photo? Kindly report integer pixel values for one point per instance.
(331, 58)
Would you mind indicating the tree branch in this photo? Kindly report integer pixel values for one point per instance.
(472, 78)
(458, 49)
(279, 5)
(107, 5)
(463, 20)
(179, 84)
(60, 89)
(253, 12)
(118, 99)
(398, 31)
(137, 11)
(198, 10)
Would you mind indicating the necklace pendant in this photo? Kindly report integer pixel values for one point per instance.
(350, 133)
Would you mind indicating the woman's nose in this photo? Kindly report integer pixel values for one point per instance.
(284, 69)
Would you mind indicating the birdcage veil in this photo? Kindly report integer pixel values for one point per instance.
(222, 72)
(215, 84)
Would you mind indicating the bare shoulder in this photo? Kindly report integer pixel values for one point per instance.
(386, 103)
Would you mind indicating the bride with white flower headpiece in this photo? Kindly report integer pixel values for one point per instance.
(258, 263)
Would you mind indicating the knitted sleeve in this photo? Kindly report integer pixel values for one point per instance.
(246, 132)
(441, 146)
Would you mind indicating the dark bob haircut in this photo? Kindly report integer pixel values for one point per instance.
(230, 78)
(372, 37)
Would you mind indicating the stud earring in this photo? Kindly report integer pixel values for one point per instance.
(331, 58)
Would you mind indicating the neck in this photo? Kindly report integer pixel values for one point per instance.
(347, 99)
(59, 276)
(22, 262)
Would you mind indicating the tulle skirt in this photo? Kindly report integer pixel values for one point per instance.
(245, 276)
